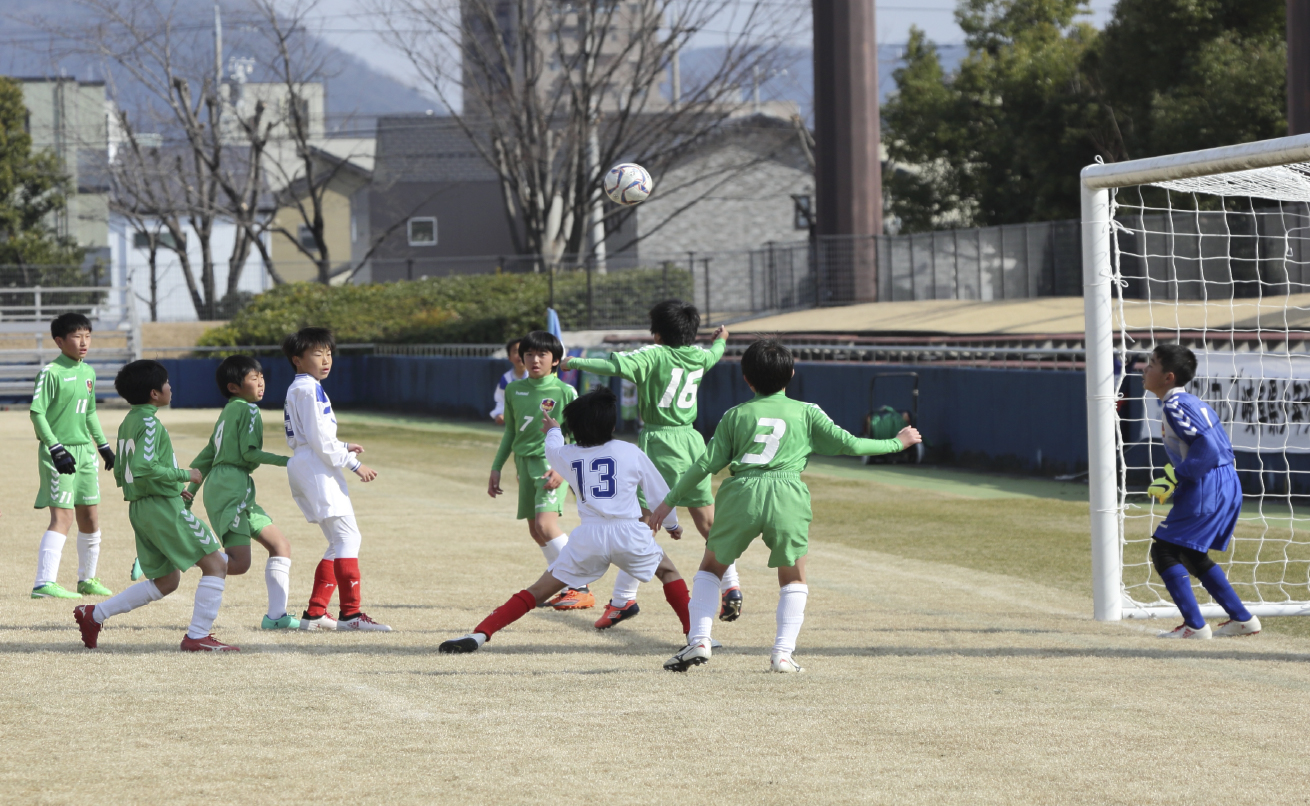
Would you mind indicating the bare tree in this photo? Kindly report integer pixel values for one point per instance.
(552, 92)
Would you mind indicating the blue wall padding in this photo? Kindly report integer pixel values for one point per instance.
(457, 387)
(194, 386)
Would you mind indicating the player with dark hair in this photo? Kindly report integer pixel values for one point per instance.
(68, 434)
(541, 487)
(667, 375)
(1201, 477)
(169, 539)
(317, 485)
(234, 450)
(606, 474)
(516, 372)
(766, 442)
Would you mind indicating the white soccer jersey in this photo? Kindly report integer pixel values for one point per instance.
(606, 477)
(314, 471)
(499, 395)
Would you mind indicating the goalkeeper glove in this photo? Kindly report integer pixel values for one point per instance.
(1162, 488)
(62, 460)
(107, 453)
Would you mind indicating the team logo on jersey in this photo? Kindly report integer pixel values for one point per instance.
(89, 390)
(547, 404)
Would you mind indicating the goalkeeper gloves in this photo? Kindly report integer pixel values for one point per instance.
(107, 454)
(62, 460)
(1162, 488)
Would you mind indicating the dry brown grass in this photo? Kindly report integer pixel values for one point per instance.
(927, 681)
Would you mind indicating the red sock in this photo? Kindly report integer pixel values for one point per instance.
(325, 581)
(676, 593)
(348, 580)
(516, 608)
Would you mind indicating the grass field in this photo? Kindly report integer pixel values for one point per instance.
(950, 658)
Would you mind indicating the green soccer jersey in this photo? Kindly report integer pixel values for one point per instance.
(238, 440)
(146, 464)
(525, 400)
(667, 378)
(773, 433)
(64, 404)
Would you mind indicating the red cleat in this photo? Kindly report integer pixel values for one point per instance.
(207, 644)
(84, 615)
(613, 615)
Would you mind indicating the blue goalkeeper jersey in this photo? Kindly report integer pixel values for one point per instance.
(1208, 497)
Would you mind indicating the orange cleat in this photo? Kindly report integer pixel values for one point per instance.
(575, 599)
(207, 644)
(84, 615)
(613, 615)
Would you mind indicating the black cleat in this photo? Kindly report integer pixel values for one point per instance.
(730, 605)
(688, 657)
(460, 646)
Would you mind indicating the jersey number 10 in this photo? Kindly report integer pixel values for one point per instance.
(687, 397)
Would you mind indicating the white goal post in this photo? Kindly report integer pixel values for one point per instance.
(1212, 249)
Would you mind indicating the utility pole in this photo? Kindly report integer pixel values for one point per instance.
(218, 48)
(1298, 66)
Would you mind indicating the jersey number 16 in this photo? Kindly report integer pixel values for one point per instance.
(687, 397)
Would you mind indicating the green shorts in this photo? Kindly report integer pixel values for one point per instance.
(534, 498)
(230, 504)
(672, 450)
(81, 488)
(775, 505)
(168, 537)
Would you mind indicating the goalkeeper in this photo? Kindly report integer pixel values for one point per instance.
(1202, 479)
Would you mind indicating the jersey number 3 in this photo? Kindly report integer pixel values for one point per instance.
(687, 397)
(771, 441)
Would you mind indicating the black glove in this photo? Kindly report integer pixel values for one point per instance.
(107, 453)
(63, 460)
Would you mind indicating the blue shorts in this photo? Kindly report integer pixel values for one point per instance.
(1205, 511)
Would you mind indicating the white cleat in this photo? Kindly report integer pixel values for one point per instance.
(1232, 628)
(784, 664)
(1183, 631)
(714, 643)
(360, 622)
(323, 622)
(689, 656)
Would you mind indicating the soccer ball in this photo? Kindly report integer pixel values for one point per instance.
(627, 183)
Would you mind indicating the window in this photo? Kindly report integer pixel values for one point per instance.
(164, 240)
(423, 232)
(306, 237)
(802, 212)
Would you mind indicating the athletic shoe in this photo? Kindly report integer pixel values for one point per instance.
(714, 643)
(53, 590)
(1233, 628)
(207, 644)
(137, 573)
(360, 622)
(613, 615)
(461, 646)
(552, 600)
(784, 664)
(1183, 631)
(575, 599)
(323, 622)
(85, 618)
(688, 657)
(93, 587)
(287, 622)
(730, 604)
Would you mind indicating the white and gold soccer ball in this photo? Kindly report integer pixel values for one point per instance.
(628, 183)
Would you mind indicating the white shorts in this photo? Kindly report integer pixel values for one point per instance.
(320, 491)
(596, 545)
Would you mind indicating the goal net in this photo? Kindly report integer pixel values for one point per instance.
(1210, 250)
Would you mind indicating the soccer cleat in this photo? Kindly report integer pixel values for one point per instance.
(613, 615)
(1183, 631)
(287, 622)
(730, 604)
(137, 573)
(1233, 628)
(575, 599)
(84, 615)
(689, 656)
(53, 590)
(361, 623)
(714, 643)
(323, 622)
(462, 645)
(207, 644)
(93, 587)
(785, 665)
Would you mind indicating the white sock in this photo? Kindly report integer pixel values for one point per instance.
(625, 589)
(277, 577)
(553, 548)
(209, 596)
(138, 595)
(47, 557)
(730, 579)
(704, 604)
(791, 615)
(88, 554)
